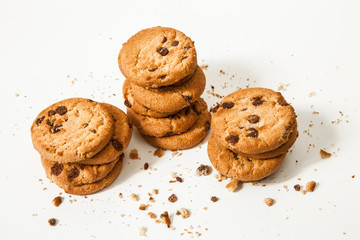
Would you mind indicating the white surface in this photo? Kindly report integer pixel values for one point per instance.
(51, 50)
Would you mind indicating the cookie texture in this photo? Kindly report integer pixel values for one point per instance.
(171, 98)
(72, 130)
(75, 173)
(233, 165)
(174, 124)
(184, 140)
(157, 57)
(253, 120)
(94, 187)
(118, 142)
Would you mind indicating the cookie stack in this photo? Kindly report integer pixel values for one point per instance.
(81, 143)
(163, 87)
(252, 131)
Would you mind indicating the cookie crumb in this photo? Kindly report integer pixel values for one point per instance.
(155, 191)
(134, 154)
(151, 215)
(142, 207)
(52, 221)
(297, 187)
(324, 154)
(183, 212)
(57, 201)
(303, 191)
(159, 152)
(312, 94)
(203, 170)
(142, 231)
(204, 66)
(232, 186)
(353, 176)
(120, 195)
(310, 186)
(214, 199)
(146, 166)
(173, 175)
(172, 198)
(151, 199)
(134, 197)
(269, 201)
(165, 218)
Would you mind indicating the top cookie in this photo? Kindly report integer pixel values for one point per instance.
(72, 130)
(157, 56)
(253, 120)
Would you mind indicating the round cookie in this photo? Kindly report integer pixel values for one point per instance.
(253, 121)
(171, 125)
(235, 166)
(119, 141)
(185, 140)
(130, 102)
(171, 98)
(72, 130)
(94, 187)
(75, 173)
(278, 151)
(157, 57)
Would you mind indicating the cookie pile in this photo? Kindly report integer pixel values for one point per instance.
(252, 131)
(163, 87)
(81, 143)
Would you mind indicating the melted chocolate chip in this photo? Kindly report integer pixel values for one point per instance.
(187, 98)
(153, 69)
(61, 110)
(163, 77)
(163, 51)
(164, 40)
(232, 139)
(236, 156)
(56, 128)
(48, 122)
(117, 145)
(147, 108)
(39, 120)
(51, 113)
(73, 173)
(283, 103)
(253, 118)
(228, 105)
(127, 103)
(56, 169)
(257, 101)
(252, 132)
(175, 43)
(187, 47)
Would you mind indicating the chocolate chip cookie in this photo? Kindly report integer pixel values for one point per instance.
(157, 57)
(253, 121)
(72, 130)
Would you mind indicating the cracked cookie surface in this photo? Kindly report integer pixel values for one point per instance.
(253, 121)
(233, 165)
(157, 57)
(72, 130)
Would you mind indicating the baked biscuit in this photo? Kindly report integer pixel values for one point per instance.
(253, 121)
(157, 57)
(72, 130)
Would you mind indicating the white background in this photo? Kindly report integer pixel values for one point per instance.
(52, 50)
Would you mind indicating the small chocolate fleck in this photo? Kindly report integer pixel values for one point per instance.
(117, 145)
(172, 198)
(163, 51)
(56, 128)
(232, 139)
(214, 109)
(249, 159)
(127, 103)
(163, 77)
(52, 221)
(147, 108)
(39, 120)
(73, 173)
(244, 109)
(252, 132)
(153, 69)
(56, 169)
(253, 118)
(82, 166)
(257, 101)
(184, 57)
(228, 105)
(236, 156)
(214, 199)
(187, 47)
(179, 179)
(93, 131)
(164, 40)
(175, 43)
(146, 166)
(51, 113)
(61, 110)
(283, 103)
(187, 98)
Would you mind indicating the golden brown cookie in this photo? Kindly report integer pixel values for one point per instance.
(72, 130)
(75, 173)
(171, 98)
(157, 57)
(174, 124)
(233, 165)
(94, 187)
(119, 141)
(253, 121)
(184, 140)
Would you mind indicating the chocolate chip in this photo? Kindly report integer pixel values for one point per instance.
(48, 122)
(214, 109)
(56, 169)
(257, 101)
(153, 69)
(236, 156)
(163, 51)
(117, 145)
(207, 125)
(214, 199)
(51, 112)
(175, 43)
(56, 128)
(297, 187)
(253, 118)
(61, 110)
(164, 40)
(232, 139)
(283, 103)
(52, 221)
(39, 120)
(244, 109)
(179, 179)
(163, 77)
(187, 47)
(187, 98)
(227, 105)
(127, 103)
(73, 173)
(252, 132)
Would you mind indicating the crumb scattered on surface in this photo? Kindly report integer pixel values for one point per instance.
(312, 94)
(297, 187)
(324, 154)
(179, 179)
(353, 176)
(52, 221)
(120, 195)
(303, 191)
(282, 87)
(310, 186)
(269, 201)
(172, 198)
(203, 170)
(214, 198)
(146, 166)
(204, 66)
(155, 191)
(165, 218)
(134, 154)
(57, 201)
(134, 197)
(232, 186)
(142, 207)
(142, 231)
(183, 212)
(152, 215)
(159, 153)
